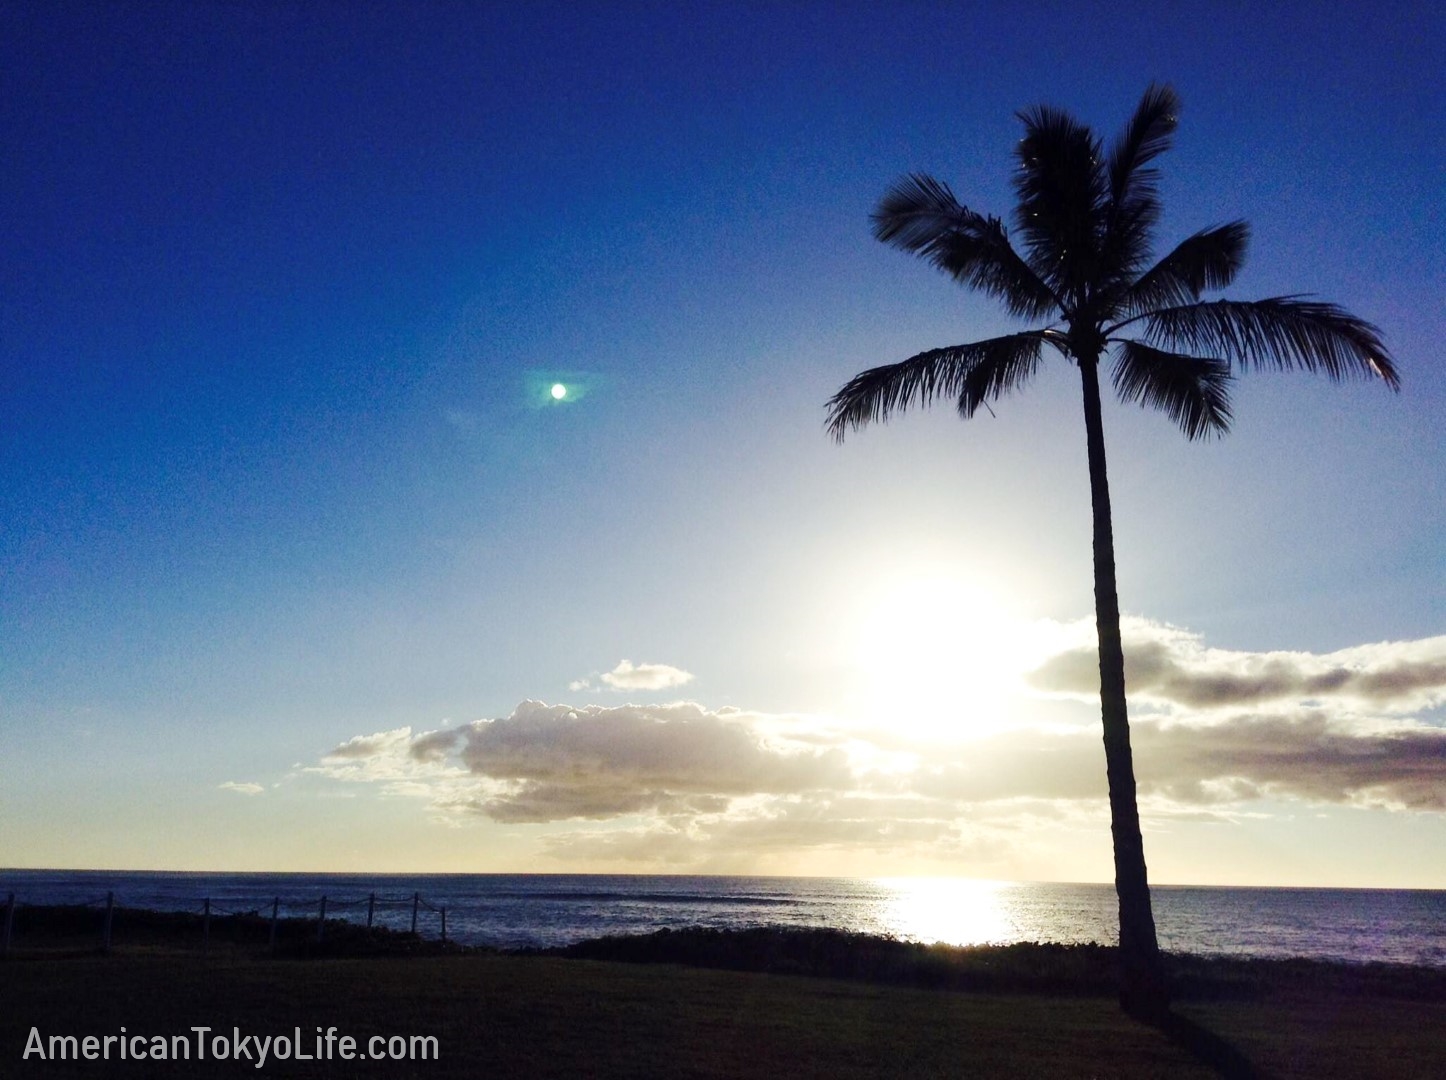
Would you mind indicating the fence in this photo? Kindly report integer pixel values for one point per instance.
(323, 907)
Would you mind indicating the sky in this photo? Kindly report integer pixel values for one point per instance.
(304, 566)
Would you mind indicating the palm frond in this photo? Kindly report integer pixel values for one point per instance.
(1282, 332)
(1007, 365)
(1145, 138)
(1210, 259)
(1134, 200)
(919, 214)
(1061, 189)
(974, 373)
(1193, 391)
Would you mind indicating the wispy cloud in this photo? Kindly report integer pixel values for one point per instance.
(773, 826)
(241, 788)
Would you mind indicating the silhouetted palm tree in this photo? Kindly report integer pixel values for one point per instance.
(1086, 218)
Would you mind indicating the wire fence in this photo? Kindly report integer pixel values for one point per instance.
(275, 911)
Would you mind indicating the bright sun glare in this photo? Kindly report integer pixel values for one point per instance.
(558, 391)
(942, 656)
(956, 911)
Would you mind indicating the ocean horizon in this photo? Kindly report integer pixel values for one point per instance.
(539, 910)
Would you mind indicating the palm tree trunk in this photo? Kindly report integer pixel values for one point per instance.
(1144, 990)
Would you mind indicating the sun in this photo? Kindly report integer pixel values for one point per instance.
(943, 656)
(559, 391)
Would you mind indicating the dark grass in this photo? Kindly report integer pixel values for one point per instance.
(700, 1003)
(498, 1016)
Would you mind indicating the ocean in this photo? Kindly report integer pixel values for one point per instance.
(517, 910)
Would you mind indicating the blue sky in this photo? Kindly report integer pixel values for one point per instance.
(285, 287)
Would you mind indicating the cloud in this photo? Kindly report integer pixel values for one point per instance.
(368, 747)
(680, 746)
(627, 676)
(400, 762)
(430, 748)
(555, 762)
(1173, 668)
(1308, 756)
(778, 827)
(246, 788)
(1218, 735)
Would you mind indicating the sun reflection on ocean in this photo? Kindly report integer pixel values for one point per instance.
(955, 911)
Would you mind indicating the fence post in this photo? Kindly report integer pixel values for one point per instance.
(9, 924)
(416, 899)
(109, 912)
(371, 907)
(275, 906)
(321, 922)
(444, 926)
(206, 926)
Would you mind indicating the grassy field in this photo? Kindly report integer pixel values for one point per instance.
(549, 1016)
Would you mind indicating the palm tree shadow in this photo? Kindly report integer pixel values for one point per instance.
(1205, 1046)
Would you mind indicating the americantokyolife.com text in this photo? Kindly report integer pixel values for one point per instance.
(209, 1044)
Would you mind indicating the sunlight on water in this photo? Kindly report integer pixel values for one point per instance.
(955, 911)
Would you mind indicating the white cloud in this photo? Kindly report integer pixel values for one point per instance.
(630, 676)
(245, 788)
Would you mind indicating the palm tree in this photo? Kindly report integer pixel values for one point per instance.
(1086, 219)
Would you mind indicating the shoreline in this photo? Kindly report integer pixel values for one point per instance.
(543, 910)
(55, 931)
